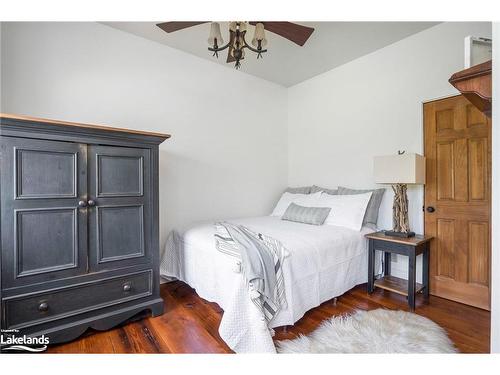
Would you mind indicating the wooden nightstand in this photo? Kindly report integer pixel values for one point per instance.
(411, 247)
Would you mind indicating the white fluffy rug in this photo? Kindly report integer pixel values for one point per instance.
(376, 331)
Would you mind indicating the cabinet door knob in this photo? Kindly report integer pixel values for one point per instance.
(127, 287)
(91, 203)
(44, 306)
(431, 209)
(82, 204)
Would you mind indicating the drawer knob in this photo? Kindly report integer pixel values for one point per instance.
(44, 306)
(127, 287)
(82, 204)
(91, 202)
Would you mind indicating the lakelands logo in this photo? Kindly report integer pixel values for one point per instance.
(12, 341)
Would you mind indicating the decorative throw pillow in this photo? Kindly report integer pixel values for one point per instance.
(347, 211)
(306, 200)
(299, 190)
(315, 189)
(306, 215)
(371, 215)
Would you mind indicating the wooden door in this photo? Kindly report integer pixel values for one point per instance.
(44, 230)
(119, 184)
(457, 200)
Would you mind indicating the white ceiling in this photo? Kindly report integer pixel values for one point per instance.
(331, 44)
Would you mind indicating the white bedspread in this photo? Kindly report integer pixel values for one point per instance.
(323, 262)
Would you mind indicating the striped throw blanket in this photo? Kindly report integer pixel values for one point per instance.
(260, 259)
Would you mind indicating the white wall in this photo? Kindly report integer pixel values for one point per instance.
(495, 225)
(227, 155)
(338, 121)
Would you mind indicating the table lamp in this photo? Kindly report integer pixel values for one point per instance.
(399, 171)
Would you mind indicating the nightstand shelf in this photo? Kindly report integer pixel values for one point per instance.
(396, 285)
(410, 247)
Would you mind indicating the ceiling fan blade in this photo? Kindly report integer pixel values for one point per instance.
(291, 31)
(170, 27)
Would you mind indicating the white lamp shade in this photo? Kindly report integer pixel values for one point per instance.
(399, 169)
(259, 34)
(215, 34)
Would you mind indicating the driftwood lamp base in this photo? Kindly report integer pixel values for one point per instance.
(400, 222)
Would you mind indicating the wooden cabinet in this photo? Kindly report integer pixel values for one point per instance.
(79, 210)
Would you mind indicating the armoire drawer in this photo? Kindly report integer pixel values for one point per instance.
(37, 308)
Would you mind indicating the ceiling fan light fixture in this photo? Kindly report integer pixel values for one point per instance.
(259, 36)
(215, 37)
(237, 42)
(294, 32)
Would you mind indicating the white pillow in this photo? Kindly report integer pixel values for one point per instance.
(346, 210)
(306, 200)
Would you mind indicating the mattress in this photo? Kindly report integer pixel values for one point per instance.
(322, 262)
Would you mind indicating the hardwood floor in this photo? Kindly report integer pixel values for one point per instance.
(190, 324)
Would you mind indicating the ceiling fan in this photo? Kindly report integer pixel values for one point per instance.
(237, 30)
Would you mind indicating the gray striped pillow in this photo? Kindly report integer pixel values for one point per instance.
(315, 189)
(298, 190)
(306, 215)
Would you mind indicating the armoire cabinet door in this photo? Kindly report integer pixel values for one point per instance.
(44, 231)
(120, 211)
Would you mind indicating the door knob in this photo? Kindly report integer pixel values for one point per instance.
(431, 209)
(82, 204)
(91, 203)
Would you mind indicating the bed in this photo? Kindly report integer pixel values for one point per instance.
(323, 262)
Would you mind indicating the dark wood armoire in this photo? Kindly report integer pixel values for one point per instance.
(79, 226)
